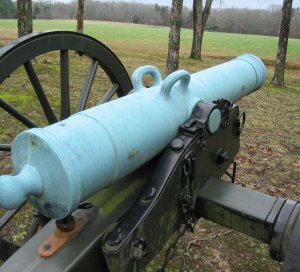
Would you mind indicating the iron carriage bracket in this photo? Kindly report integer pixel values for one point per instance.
(157, 214)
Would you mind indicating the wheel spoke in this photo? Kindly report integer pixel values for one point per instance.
(40, 92)
(5, 147)
(21, 53)
(7, 249)
(109, 94)
(64, 83)
(9, 215)
(87, 86)
(15, 113)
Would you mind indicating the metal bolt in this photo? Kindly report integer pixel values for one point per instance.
(115, 240)
(47, 247)
(149, 194)
(177, 144)
(221, 156)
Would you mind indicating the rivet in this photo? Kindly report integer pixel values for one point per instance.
(115, 240)
(177, 144)
(149, 194)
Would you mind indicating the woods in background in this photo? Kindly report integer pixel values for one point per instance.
(263, 22)
(246, 21)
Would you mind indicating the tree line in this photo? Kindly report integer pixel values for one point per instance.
(200, 13)
(246, 21)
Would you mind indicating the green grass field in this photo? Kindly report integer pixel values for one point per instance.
(269, 160)
(214, 44)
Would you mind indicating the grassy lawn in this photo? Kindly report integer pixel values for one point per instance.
(214, 45)
(269, 160)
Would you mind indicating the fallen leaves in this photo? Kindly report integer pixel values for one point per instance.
(296, 163)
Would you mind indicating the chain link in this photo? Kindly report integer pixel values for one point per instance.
(187, 194)
(186, 202)
(170, 253)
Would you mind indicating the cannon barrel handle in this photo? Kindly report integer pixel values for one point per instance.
(139, 73)
(181, 76)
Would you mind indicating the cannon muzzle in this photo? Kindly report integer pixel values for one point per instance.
(61, 165)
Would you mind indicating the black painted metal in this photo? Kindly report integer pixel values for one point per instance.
(87, 86)
(232, 175)
(7, 249)
(277, 251)
(154, 219)
(65, 111)
(16, 114)
(238, 208)
(8, 216)
(5, 147)
(84, 252)
(37, 86)
(292, 259)
(28, 47)
(109, 94)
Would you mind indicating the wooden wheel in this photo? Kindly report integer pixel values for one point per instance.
(44, 78)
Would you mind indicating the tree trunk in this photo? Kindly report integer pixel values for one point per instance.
(278, 78)
(200, 17)
(80, 12)
(24, 11)
(174, 37)
(197, 23)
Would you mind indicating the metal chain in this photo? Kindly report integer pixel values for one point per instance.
(186, 201)
(187, 194)
(170, 253)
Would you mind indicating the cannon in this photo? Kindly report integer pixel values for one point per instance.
(115, 181)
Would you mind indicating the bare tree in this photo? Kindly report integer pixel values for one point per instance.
(278, 78)
(80, 12)
(24, 14)
(174, 37)
(200, 16)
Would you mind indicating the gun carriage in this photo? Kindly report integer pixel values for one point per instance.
(115, 181)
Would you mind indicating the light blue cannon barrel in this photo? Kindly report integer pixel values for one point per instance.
(61, 165)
